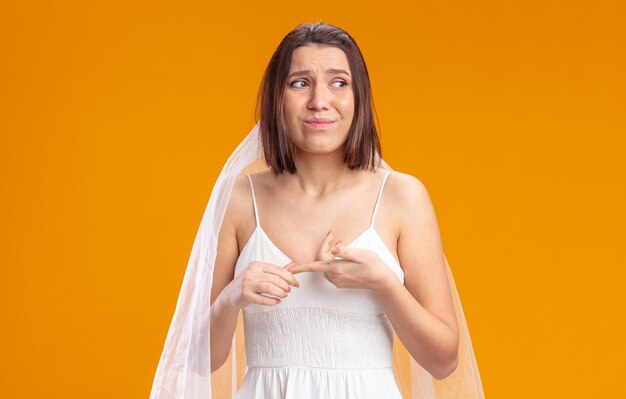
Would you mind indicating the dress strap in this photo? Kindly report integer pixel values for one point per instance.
(378, 199)
(256, 212)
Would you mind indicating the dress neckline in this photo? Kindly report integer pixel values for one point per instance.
(288, 257)
(275, 247)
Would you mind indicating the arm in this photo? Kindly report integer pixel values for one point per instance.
(223, 315)
(421, 311)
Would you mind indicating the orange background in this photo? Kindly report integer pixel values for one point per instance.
(116, 119)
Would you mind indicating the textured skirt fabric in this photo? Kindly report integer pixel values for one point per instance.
(318, 383)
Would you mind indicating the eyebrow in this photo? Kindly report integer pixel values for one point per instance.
(328, 71)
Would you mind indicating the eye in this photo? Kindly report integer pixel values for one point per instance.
(296, 82)
(343, 83)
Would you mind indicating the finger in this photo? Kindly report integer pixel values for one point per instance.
(282, 273)
(263, 300)
(265, 287)
(276, 280)
(331, 245)
(316, 266)
(324, 253)
(259, 280)
(288, 267)
(353, 254)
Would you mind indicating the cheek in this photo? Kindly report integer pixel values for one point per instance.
(290, 117)
(291, 107)
(346, 104)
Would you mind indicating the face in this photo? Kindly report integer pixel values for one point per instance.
(319, 100)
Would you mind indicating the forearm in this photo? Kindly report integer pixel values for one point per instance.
(223, 325)
(428, 340)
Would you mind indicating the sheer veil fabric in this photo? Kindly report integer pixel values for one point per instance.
(184, 369)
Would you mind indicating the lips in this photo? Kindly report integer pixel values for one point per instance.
(319, 124)
(318, 120)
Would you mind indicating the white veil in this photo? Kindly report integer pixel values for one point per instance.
(184, 370)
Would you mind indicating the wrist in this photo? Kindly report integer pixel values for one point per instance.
(388, 282)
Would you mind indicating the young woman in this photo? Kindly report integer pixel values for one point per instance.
(328, 253)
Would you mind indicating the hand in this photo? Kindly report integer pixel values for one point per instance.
(259, 279)
(357, 268)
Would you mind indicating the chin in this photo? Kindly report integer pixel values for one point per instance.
(321, 149)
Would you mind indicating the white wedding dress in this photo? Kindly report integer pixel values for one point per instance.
(321, 341)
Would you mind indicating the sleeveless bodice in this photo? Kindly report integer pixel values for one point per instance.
(320, 341)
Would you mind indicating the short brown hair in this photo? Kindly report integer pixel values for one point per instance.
(278, 149)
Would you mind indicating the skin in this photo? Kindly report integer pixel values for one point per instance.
(297, 212)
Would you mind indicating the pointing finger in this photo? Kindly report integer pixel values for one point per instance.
(316, 266)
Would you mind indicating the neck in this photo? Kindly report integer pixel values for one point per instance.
(321, 174)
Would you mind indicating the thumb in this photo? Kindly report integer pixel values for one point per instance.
(338, 248)
(348, 253)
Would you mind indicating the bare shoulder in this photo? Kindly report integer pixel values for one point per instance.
(406, 206)
(262, 180)
(240, 196)
(406, 191)
(239, 207)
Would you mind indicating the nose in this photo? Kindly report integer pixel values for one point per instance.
(320, 98)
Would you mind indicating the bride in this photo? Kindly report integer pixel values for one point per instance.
(328, 253)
